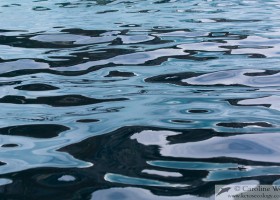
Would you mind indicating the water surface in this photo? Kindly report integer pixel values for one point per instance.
(159, 99)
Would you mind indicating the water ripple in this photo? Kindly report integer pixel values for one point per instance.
(160, 99)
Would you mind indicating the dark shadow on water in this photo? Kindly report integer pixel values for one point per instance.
(34, 130)
(57, 101)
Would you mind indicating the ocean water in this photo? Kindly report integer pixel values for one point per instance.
(140, 99)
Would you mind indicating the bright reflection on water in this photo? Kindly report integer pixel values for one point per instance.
(159, 99)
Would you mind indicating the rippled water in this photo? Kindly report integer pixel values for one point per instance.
(159, 99)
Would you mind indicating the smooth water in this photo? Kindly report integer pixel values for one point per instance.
(142, 99)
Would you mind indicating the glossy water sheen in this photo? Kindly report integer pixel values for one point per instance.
(142, 99)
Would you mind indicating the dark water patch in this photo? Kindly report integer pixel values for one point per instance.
(130, 25)
(264, 73)
(244, 124)
(16, 4)
(9, 145)
(106, 11)
(230, 48)
(88, 120)
(59, 27)
(104, 2)
(256, 55)
(77, 31)
(198, 111)
(11, 5)
(163, 1)
(120, 74)
(235, 20)
(239, 168)
(36, 87)
(34, 130)
(189, 11)
(205, 90)
(28, 41)
(57, 101)
(146, 11)
(40, 8)
(181, 121)
(235, 103)
(117, 41)
(7, 31)
(117, 153)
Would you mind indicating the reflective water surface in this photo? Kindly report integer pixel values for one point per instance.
(158, 99)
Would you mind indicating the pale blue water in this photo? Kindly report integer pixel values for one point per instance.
(159, 99)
